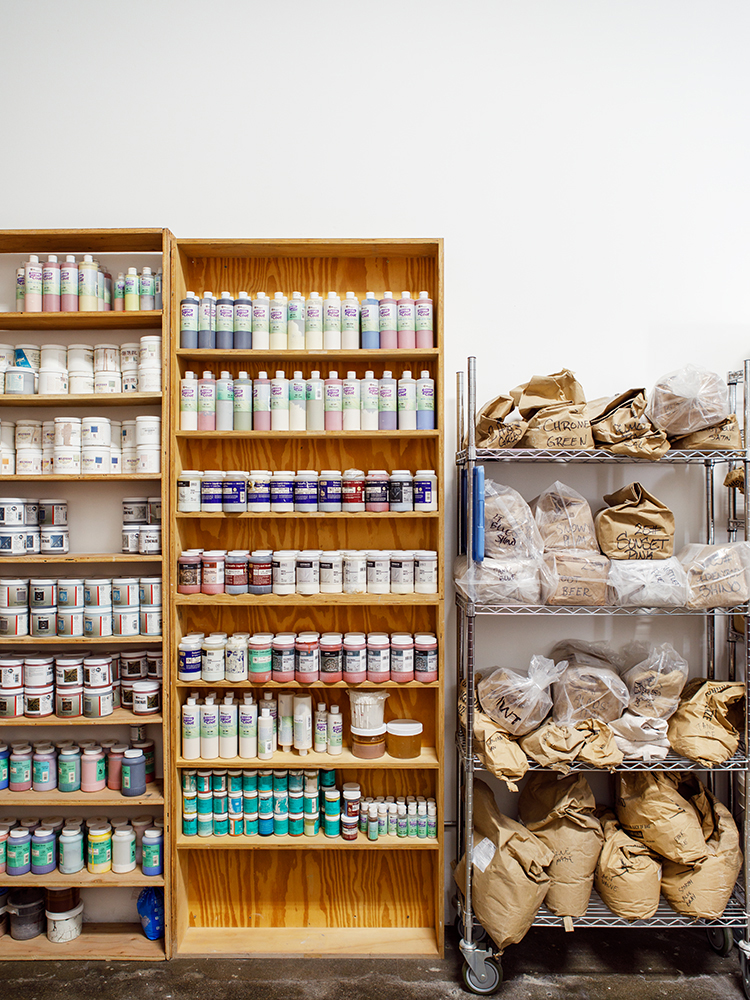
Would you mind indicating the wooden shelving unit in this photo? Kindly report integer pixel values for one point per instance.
(102, 941)
(311, 896)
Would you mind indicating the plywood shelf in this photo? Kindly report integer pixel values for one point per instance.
(43, 321)
(120, 717)
(122, 478)
(427, 759)
(73, 640)
(317, 843)
(357, 354)
(84, 880)
(84, 399)
(309, 942)
(250, 685)
(82, 557)
(307, 435)
(292, 515)
(153, 796)
(97, 943)
(303, 600)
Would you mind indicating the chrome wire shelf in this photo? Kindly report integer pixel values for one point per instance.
(672, 762)
(598, 456)
(598, 914)
(478, 608)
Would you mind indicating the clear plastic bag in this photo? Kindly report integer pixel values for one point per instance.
(585, 692)
(717, 574)
(510, 531)
(656, 682)
(501, 581)
(642, 583)
(564, 519)
(582, 653)
(519, 703)
(688, 400)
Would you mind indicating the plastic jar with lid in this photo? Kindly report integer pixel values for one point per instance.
(378, 572)
(42, 592)
(114, 766)
(355, 571)
(402, 657)
(146, 697)
(236, 659)
(425, 572)
(213, 653)
(282, 657)
(376, 491)
(18, 852)
(259, 658)
(260, 571)
(425, 490)
(236, 572)
(234, 492)
(68, 670)
(123, 850)
(306, 492)
(259, 491)
(133, 773)
(43, 851)
(39, 702)
(378, 657)
(282, 491)
(425, 657)
(308, 572)
(97, 622)
(212, 571)
(353, 491)
(404, 738)
(189, 658)
(11, 672)
(329, 491)
(212, 491)
(402, 572)
(93, 769)
(331, 573)
(70, 850)
(284, 567)
(307, 657)
(355, 657)
(38, 671)
(368, 744)
(189, 574)
(134, 510)
(11, 703)
(99, 852)
(14, 592)
(44, 768)
(189, 491)
(131, 536)
(69, 702)
(69, 769)
(152, 848)
(98, 702)
(331, 657)
(148, 748)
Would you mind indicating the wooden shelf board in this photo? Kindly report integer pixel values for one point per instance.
(302, 600)
(154, 796)
(250, 685)
(357, 354)
(251, 248)
(84, 399)
(98, 942)
(427, 759)
(72, 640)
(293, 515)
(131, 477)
(83, 557)
(85, 880)
(111, 320)
(307, 435)
(120, 717)
(319, 842)
(308, 942)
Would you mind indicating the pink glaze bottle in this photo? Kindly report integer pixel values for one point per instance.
(69, 285)
(333, 402)
(407, 336)
(355, 657)
(376, 491)
(93, 770)
(331, 657)
(262, 402)
(425, 657)
(207, 402)
(388, 322)
(51, 285)
(212, 571)
(307, 657)
(424, 321)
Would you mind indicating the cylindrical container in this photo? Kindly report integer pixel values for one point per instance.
(355, 658)
(402, 657)
(69, 702)
(212, 571)
(260, 572)
(149, 539)
(68, 671)
(70, 851)
(146, 697)
(38, 671)
(259, 491)
(19, 381)
(12, 512)
(54, 539)
(67, 460)
(11, 672)
(81, 358)
(97, 622)
(70, 593)
(123, 850)
(133, 773)
(331, 657)
(352, 491)
(307, 657)
(404, 738)
(282, 657)
(306, 492)
(259, 658)
(93, 769)
(39, 702)
(284, 563)
(18, 854)
(108, 382)
(236, 572)
(69, 769)
(147, 431)
(400, 491)
(68, 432)
(425, 490)
(376, 491)
(153, 852)
(13, 542)
(44, 621)
(125, 621)
(234, 492)
(29, 462)
(378, 572)
(11, 703)
(425, 572)
(308, 572)
(331, 573)
(97, 702)
(99, 850)
(28, 356)
(80, 383)
(329, 491)
(106, 358)
(282, 492)
(189, 573)
(150, 590)
(355, 572)
(151, 620)
(52, 382)
(42, 592)
(212, 491)
(425, 657)
(13, 621)
(402, 572)
(149, 458)
(44, 769)
(53, 513)
(131, 537)
(97, 671)
(97, 591)
(378, 657)
(69, 621)
(28, 434)
(368, 744)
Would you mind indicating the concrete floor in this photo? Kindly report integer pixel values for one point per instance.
(548, 965)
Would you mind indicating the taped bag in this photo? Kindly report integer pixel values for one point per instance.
(591, 742)
(725, 436)
(706, 726)
(543, 390)
(560, 811)
(702, 890)
(519, 703)
(641, 583)
(628, 876)
(635, 525)
(688, 400)
(717, 574)
(585, 692)
(576, 578)
(561, 427)
(652, 810)
(655, 683)
(564, 519)
(510, 531)
(509, 880)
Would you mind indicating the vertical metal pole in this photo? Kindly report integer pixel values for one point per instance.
(469, 785)
(460, 782)
(746, 808)
(460, 467)
(710, 536)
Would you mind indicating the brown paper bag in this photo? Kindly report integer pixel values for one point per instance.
(706, 725)
(627, 875)
(492, 430)
(652, 811)
(543, 390)
(635, 525)
(735, 479)
(578, 578)
(560, 427)
(650, 446)
(585, 692)
(501, 755)
(702, 891)
(622, 418)
(725, 436)
(509, 881)
(564, 519)
(560, 811)
(589, 741)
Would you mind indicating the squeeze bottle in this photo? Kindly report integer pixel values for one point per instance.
(69, 285)
(261, 322)
(370, 319)
(280, 402)
(350, 322)
(207, 402)
(332, 323)
(32, 275)
(424, 321)
(425, 402)
(277, 339)
(262, 402)
(296, 322)
(225, 322)
(387, 419)
(243, 403)
(405, 322)
(224, 403)
(314, 322)
(370, 402)
(315, 405)
(297, 403)
(333, 413)
(388, 322)
(189, 402)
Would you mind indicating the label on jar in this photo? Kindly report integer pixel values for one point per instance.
(379, 572)
(401, 491)
(258, 491)
(306, 492)
(18, 854)
(331, 574)
(259, 660)
(307, 660)
(188, 575)
(188, 492)
(42, 772)
(402, 661)
(423, 491)
(20, 771)
(151, 855)
(329, 491)
(212, 664)
(376, 491)
(378, 661)
(67, 772)
(330, 661)
(43, 854)
(234, 491)
(282, 491)
(211, 492)
(355, 660)
(352, 491)
(236, 574)
(425, 571)
(100, 852)
(262, 574)
(282, 661)
(402, 572)
(213, 573)
(283, 572)
(308, 571)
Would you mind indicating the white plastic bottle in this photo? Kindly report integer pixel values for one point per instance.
(280, 402)
(189, 402)
(315, 403)
(209, 729)
(243, 403)
(407, 402)
(286, 721)
(132, 293)
(370, 402)
(424, 320)
(261, 322)
(262, 402)
(295, 326)
(303, 740)
(387, 415)
(146, 289)
(332, 323)
(271, 704)
(50, 285)
(248, 727)
(297, 403)
(352, 403)
(224, 402)
(33, 284)
(277, 332)
(158, 289)
(228, 733)
(266, 729)
(350, 322)
(207, 402)
(191, 730)
(335, 730)
(314, 322)
(406, 322)
(425, 402)
(320, 735)
(332, 402)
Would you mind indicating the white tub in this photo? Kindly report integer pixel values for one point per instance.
(12, 511)
(126, 621)
(96, 460)
(28, 434)
(149, 458)
(55, 539)
(81, 358)
(108, 382)
(97, 622)
(130, 356)
(53, 382)
(80, 383)
(68, 432)
(106, 358)
(149, 379)
(53, 356)
(96, 431)
(29, 462)
(13, 541)
(64, 927)
(66, 461)
(69, 621)
(14, 621)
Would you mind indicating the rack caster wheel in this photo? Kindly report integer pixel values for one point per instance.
(478, 932)
(721, 940)
(745, 969)
(493, 977)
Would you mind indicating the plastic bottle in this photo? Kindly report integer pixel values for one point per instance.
(350, 322)
(296, 322)
(50, 285)
(69, 285)
(376, 491)
(297, 403)
(159, 289)
(329, 491)
(387, 418)
(320, 735)
(303, 740)
(262, 402)
(370, 402)
(407, 402)
(248, 727)
(243, 322)
(228, 733)
(352, 403)
(280, 402)
(425, 335)
(118, 293)
(355, 658)
(147, 298)
(207, 322)
(189, 402)
(271, 704)
(406, 322)
(332, 323)
(335, 730)
(286, 721)
(277, 325)
(225, 322)
(425, 657)
(425, 490)
(189, 309)
(209, 738)
(425, 402)
(32, 276)
(261, 322)
(87, 280)
(333, 401)
(131, 292)
(21, 289)
(314, 322)
(224, 402)
(207, 402)
(388, 314)
(265, 734)
(243, 402)
(191, 730)
(373, 826)
(370, 322)
(315, 403)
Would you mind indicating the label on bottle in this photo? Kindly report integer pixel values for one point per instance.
(151, 855)
(306, 492)
(406, 316)
(260, 316)
(332, 317)
(376, 491)
(18, 854)
(225, 391)
(132, 284)
(282, 491)
(101, 770)
(227, 723)
(67, 772)
(209, 723)
(43, 854)
(279, 396)
(234, 491)
(41, 772)
(349, 318)
(329, 491)
(400, 491)
(308, 571)
(243, 318)
(20, 771)
(331, 661)
(283, 572)
(370, 315)
(387, 315)
(402, 572)
(34, 279)
(314, 391)
(224, 318)
(378, 572)
(314, 317)
(355, 660)
(100, 852)
(206, 398)
(423, 319)
(387, 397)
(422, 491)
(307, 661)
(352, 491)
(212, 664)
(248, 725)
(258, 491)
(407, 401)
(425, 396)
(278, 319)
(68, 280)
(50, 280)
(188, 397)
(351, 396)
(333, 396)
(190, 725)
(425, 661)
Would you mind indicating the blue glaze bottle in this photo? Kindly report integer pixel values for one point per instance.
(4, 757)
(370, 320)
(43, 851)
(153, 852)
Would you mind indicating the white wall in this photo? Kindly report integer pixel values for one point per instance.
(586, 161)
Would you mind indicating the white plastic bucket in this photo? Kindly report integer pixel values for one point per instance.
(149, 458)
(53, 356)
(55, 539)
(80, 383)
(108, 382)
(97, 622)
(68, 432)
(53, 382)
(12, 541)
(81, 358)
(14, 621)
(29, 462)
(96, 460)
(28, 434)
(149, 379)
(96, 431)
(66, 461)
(106, 358)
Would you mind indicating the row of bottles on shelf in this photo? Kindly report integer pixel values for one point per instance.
(85, 286)
(313, 404)
(315, 324)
